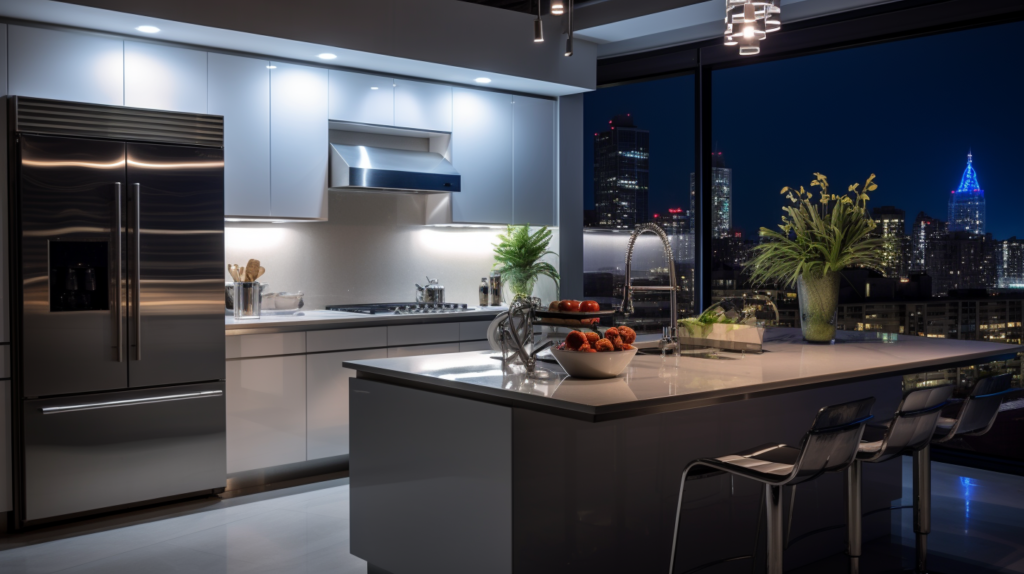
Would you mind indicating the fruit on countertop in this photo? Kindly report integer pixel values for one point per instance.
(569, 306)
(589, 306)
(614, 339)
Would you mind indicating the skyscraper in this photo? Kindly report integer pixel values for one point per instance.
(1010, 263)
(721, 197)
(621, 159)
(891, 228)
(961, 260)
(925, 229)
(967, 203)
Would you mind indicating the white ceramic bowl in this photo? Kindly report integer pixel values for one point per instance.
(594, 365)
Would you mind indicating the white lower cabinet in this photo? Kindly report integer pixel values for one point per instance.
(327, 400)
(266, 412)
(419, 350)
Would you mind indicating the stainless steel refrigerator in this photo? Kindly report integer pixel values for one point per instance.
(117, 250)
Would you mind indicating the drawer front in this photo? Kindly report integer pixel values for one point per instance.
(401, 335)
(243, 346)
(170, 442)
(266, 412)
(473, 330)
(346, 339)
(327, 401)
(419, 350)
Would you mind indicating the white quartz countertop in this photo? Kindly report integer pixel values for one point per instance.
(652, 384)
(320, 319)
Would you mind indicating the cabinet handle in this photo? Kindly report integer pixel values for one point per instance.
(130, 402)
(136, 292)
(119, 275)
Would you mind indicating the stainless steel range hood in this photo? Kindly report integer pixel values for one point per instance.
(375, 168)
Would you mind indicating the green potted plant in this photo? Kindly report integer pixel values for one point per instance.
(819, 238)
(517, 257)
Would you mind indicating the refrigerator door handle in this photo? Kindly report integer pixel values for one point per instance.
(137, 287)
(130, 402)
(120, 272)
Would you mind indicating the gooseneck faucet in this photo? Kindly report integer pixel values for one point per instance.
(627, 298)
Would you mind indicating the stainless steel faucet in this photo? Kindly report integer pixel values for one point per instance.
(627, 298)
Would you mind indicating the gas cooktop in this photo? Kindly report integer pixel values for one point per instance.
(401, 308)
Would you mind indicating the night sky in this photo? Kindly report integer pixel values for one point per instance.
(907, 111)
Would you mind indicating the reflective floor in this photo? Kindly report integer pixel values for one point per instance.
(978, 528)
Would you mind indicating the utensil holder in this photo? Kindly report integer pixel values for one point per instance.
(247, 300)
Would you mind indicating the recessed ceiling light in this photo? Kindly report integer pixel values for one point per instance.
(326, 56)
(148, 29)
(271, 67)
(483, 80)
(373, 87)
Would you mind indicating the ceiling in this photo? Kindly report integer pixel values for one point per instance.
(524, 6)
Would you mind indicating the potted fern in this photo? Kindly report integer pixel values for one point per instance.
(518, 256)
(819, 238)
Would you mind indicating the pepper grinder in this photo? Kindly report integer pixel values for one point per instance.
(484, 294)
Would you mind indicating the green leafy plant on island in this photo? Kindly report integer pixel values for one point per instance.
(700, 327)
(518, 255)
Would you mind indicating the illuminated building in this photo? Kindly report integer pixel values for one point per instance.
(621, 159)
(721, 197)
(967, 203)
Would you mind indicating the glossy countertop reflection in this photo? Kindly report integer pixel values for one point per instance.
(315, 319)
(652, 384)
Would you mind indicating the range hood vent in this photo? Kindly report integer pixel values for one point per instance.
(374, 168)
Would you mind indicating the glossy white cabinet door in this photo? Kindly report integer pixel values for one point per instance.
(420, 350)
(65, 66)
(423, 106)
(361, 98)
(327, 401)
(240, 91)
(164, 78)
(298, 143)
(266, 412)
(482, 153)
(533, 160)
(5, 446)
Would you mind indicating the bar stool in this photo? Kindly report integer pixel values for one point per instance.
(909, 431)
(975, 418)
(830, 445)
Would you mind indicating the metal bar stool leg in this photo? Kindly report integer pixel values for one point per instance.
(853, 514)
(922, 504)
(773, 506)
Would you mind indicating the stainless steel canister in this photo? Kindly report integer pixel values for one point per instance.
(247, 300)
(495, 288)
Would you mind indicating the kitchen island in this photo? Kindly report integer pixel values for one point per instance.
(458, 466)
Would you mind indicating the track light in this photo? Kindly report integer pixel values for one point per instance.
(557, 7)
(538, 26)
(568, 41)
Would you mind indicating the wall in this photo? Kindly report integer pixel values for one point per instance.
(570, 192)
(372, 249)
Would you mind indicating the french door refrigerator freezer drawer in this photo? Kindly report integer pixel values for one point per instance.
(90, 452)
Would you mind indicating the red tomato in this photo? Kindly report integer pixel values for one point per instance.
(589, 306)
(569, 305)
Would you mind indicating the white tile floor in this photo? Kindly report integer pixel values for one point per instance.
(978, 526)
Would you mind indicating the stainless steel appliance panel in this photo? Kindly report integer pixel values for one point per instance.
(72, 252)
(108, 449)
(176, 264)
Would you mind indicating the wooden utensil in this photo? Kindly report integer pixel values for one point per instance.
(233, 271)
(260, 274)
(252, 270)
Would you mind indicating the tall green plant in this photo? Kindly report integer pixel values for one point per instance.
(517, 257)
(818, 236)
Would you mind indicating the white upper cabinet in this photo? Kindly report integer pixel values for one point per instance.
(362, 98)
(164, 78)
(298, 146)
(482, 153)
(240, 91)
(423, 106)
(65, 66)
(533, 160)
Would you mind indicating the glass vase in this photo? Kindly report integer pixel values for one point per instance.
(819, 302)
(522, 288)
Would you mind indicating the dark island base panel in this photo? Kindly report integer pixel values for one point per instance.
(451, 485)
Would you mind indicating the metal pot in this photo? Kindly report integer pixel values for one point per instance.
(432, 293)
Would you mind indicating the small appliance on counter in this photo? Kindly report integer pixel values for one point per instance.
(432, 293)
(401, 308)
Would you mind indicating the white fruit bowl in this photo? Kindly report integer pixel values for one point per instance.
(594, 365)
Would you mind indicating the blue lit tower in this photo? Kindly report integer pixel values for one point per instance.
(967, 204)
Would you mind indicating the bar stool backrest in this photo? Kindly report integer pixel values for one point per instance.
(832, 442)
(912, 426)
(980, 409)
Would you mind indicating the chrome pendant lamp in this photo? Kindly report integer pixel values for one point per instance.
(748, 22)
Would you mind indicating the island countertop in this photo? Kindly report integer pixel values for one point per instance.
(652, 384)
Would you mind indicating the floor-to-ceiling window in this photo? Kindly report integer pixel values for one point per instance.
(638, 159)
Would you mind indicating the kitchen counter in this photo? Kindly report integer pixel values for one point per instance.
(652, 384)
(317, 319)
(459, 467)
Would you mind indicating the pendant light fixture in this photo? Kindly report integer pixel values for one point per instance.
(538, 26)
(557, 7)
(747, 22)
(568, 41)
